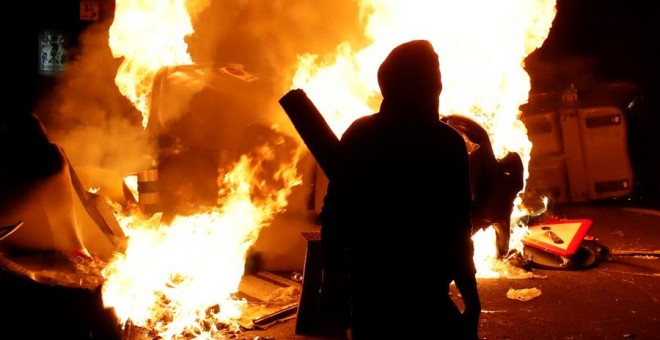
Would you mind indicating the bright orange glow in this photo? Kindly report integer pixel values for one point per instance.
(148, 35)
(182, 277)
(481, 44)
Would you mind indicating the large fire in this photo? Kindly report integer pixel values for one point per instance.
(482, 46)
(181, 278)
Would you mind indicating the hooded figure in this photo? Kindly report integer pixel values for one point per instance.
(410, 82)
(400, 213)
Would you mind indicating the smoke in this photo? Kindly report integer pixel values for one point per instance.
(266, 37)
(86, 115)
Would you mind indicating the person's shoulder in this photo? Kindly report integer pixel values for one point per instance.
(360, 125)
(365, 120)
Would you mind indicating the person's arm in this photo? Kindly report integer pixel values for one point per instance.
(465, 279)
(467, 285)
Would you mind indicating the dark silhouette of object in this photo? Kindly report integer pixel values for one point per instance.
(26, 151)
(396, 222)
(495, 183)
(35, 268)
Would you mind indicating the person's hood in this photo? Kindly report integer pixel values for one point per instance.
(410, 79)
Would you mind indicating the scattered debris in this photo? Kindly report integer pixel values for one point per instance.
(524, 294)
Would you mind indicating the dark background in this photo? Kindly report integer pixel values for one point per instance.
(608, 40)
(610, 43)
(591, 42)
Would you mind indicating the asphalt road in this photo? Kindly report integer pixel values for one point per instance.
(618, 298)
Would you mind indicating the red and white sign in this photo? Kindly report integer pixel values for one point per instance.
(560, 237)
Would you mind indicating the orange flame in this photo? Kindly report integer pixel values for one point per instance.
(181, 277)
(481, 44)
(148, 35)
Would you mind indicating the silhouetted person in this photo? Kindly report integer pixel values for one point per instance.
(400, 211)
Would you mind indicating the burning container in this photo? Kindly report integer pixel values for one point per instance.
(204, 118)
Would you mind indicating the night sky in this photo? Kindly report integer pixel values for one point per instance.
(601, 40)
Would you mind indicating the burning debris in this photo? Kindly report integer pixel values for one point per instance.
(156, 262)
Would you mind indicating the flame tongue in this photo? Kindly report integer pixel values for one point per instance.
(148, 35)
